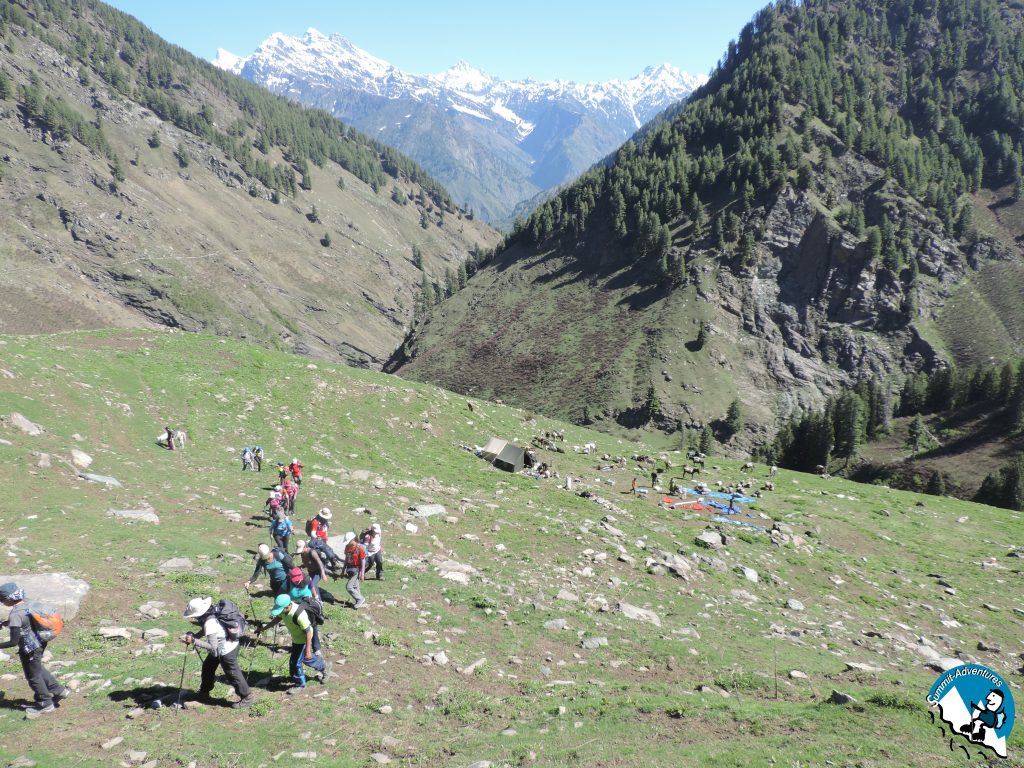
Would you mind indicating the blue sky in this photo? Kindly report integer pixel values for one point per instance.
(542, 39)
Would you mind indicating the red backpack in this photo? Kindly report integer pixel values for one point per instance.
(354, 555)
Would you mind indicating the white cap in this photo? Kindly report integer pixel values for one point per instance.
(325, 513)
(294, 460)
(197, 606)
(263, 550)
(277, 487)
(300, 545)
(375, 527)
(349, 537)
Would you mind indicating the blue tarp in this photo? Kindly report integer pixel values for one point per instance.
(717, 495)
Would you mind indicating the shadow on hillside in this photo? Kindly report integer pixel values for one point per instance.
(982, 431)
(15, 704)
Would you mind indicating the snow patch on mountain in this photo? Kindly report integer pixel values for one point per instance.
(319, 61)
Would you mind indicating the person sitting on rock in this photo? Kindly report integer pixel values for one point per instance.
(221, 652)
(48, 692)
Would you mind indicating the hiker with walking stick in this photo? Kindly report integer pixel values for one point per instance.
(223, 626)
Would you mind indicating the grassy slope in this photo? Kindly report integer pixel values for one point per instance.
(866, 572)
(191, 246)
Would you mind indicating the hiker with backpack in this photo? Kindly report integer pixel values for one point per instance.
(289, 492)
(257, 457)
(371, 539)
(300, 627)
(296, 469)
(32, 625)
(223, 628)
(317, 530)
(276, 563)
(313, 564)
(282, 472)
(246, 459)
(273, 503)
(355, 564)
(301, 592)
(281, 530)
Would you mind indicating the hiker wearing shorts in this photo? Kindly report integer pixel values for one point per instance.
(47, 691)
(220, 652)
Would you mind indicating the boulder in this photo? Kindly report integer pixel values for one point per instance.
(57, 590)
(427, 510)
(80, 459)
(19, 422)
(710, 540)
(460, 573)
(556, 624)
(145, 515)
(838, 697)
(748, 573)
(593, 643)
(854, 666)
(564, 594)
(677, 564)
(794, 605)
(43, 460)
(103, 479)
(177, 564)
(639, 614)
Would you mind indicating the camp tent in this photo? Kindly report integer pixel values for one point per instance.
(503, 455)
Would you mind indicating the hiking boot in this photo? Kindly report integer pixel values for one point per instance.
(322, 676)
(62, 694)
(245, 702)
(298, 690)
(359, 603)
(40, 709)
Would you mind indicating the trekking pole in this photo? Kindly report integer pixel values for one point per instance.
(181, 682)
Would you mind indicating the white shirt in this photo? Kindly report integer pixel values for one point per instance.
(215, 636)
(373, 545)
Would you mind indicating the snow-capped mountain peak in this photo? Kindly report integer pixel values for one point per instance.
(465, 77)
(228, 61)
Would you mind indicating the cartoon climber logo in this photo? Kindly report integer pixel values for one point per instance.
(976, 704)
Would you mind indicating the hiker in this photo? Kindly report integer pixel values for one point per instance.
(296, 469)
(273, 504)
(246, 459)
(170, 437)
(282, 472)
(257, 457)
(374, 552)
(313, 564)
(633, 487)
(273, 562)
(300, 589)
(31, 647)
(221, 651)
(355, 568)
(289, 491)
(281, 530)
(317, 530)
(300, 627)
(654, 479)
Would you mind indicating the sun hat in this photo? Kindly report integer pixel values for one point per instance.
(349, 536)
(300, 545)
(375, 527)
(197, 606)
(281, 602)
(294, 460)
(324, 513)
(263, 550)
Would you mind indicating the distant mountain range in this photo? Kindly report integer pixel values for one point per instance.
(493, 143)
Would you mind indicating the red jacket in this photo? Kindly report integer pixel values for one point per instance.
(316, 530)
(295, 469)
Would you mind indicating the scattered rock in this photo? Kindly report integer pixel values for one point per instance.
(556, 624)
(102, 479)
(80, 459)
(481, 764)
(853, 666)
(18, 421)
(796, 674)
(710, 540)
(411, 528)
(112, 632)
(440, 658)
(24, 761)
(110, 744)
(593, 643)
(838, 697)
(427, 510)
(177, 564)
(474, 666)
(136, 757)
(43, 461)
(154, 634)
(455, 571)
(639, 614)
(57, 590)
(748, 573)
(145, 515)
(794, 605)
(380, 758)
(564, 594)
(152, 610)
(386, 709)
